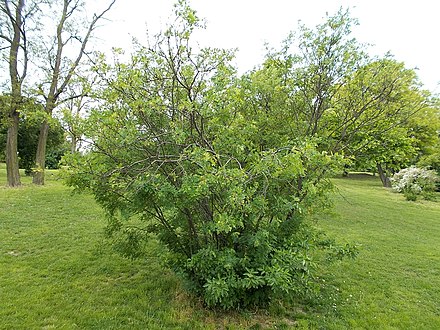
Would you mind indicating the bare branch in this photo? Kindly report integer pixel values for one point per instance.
(7, 11)
(6, 38)
(82, 50)
(73, 97)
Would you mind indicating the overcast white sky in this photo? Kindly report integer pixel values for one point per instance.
(408, 29)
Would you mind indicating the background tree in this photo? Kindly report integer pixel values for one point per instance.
(325, 86)
(13, 37)
(27, 144)
(370, 118)
(305, 77)
(59, 68)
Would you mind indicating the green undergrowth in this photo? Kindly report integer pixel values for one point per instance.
(58, 272)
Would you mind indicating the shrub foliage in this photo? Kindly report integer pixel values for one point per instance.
(180, 152)
(414, 182)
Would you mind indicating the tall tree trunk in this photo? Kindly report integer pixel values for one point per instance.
(40, 159)
(12, 170)
(17, 25)
(383, 176)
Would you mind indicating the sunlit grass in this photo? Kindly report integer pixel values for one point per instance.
(57, 272)
(395, 281)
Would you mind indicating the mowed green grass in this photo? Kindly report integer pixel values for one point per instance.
(394, 283)
(54, 273)
(58, 272)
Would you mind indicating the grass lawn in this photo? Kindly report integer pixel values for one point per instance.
(56, 272)
(395, 281)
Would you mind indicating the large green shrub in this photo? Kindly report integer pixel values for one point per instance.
(179, 151)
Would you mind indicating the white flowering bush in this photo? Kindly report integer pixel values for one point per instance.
(414, 182)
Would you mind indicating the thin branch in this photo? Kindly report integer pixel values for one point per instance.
(6, 38)
(82, 49)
